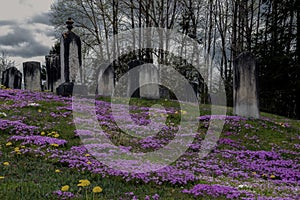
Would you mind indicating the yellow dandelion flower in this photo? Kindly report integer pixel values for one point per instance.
(22, 147)
(89, 162)
(2, 177)
(54, 145)
(56, 135)
(17, 150)
(8, 144)
(43, 133)
(57, 171)
(87, 155)
(84, 183)
(97, 189)
(39, 110)
(272, 176)
(6, 163)
(65, 188)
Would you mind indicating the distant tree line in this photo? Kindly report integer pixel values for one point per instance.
(225, 28)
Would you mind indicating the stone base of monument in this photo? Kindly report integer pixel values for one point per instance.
(70, 89)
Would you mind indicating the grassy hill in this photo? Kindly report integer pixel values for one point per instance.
(47, 151)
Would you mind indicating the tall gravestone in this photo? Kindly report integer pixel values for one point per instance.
(12, 78)
(105, 81)
(70, 59)
(53, 71)
(32, 76)
(149, 81)
(245, 94)
(133, 79)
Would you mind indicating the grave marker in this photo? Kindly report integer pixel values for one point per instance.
(12, 78)
(245, 94)
(53, 71)
(133, 79)
(105, 80)
(148, 81)
(32, 76)
(70, 58)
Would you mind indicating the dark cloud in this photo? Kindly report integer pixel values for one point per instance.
(16, 37)
(42, 18)
(29, 50)
(7, 22)
(23, 43)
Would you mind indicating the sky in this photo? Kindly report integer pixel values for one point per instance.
(26, 33)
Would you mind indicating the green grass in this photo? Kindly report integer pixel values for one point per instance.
(32, 177)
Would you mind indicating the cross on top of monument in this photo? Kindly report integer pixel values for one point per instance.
(70, 23)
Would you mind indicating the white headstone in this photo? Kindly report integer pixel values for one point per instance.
(245, 94)
(149, 81)
(105, 79)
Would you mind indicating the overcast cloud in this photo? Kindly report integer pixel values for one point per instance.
(25, 30)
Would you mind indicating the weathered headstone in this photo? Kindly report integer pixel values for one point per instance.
(105, 80)
(149, 81)
(70, 59)
(53, 71)
(133, 79)
(12, 78)
(70, 55)
(32, 76)
(245, 94)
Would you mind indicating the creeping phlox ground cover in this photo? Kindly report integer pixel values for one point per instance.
(44, 156)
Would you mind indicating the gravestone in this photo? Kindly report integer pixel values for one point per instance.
(245, 94)
(70, 59)
(70, 55)
(105, 80)
(12, 78)
(133, 79)
(32, 76)
(194, 82)
(53, 71)
(149, 81)
(164, 92)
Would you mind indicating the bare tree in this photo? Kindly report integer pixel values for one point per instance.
(5, 63)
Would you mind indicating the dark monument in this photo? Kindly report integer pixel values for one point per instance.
(32, 76)
(245, 94)
(53, 71)
(12, 78)
(70, 58)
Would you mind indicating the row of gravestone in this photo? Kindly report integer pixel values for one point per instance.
(105, 79)
(12, 77)
(245, 89)
(63, 76)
